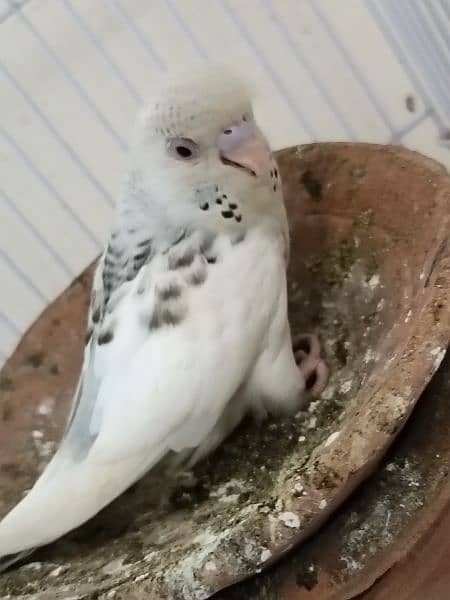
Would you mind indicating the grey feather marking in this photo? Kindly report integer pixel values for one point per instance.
(141, 256)
(197, 277)
(238, 238)
(105, 337)
(178, 260)
(207, 242)
(116, 252)
(123, 260)
(171, 291)
(164, 315)
(180, 238)
(78, 437)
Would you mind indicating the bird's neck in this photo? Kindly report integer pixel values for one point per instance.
(140, 216)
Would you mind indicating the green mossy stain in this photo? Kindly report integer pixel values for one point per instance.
(335, 267)
(359, 171)
(365, 218)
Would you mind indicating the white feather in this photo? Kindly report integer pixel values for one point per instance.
(166, 389)
(175, 387)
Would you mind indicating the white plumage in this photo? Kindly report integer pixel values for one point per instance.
(188, 321)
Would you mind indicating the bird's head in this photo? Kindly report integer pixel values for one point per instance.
(201, 158)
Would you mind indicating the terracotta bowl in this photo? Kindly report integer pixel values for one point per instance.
(370, 273)
(392, 538)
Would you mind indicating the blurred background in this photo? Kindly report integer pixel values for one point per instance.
(74, 72)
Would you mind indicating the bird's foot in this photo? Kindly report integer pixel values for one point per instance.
(307, 356)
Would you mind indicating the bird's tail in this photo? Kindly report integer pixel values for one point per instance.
(71, 496)
(9, 561)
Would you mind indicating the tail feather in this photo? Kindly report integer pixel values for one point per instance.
(9, 561)
(56, 505)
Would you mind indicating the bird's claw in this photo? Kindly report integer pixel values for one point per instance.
(307, 356)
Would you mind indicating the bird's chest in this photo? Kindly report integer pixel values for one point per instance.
(214, 289)
(245, 282)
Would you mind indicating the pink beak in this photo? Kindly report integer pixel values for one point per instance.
(243, 145)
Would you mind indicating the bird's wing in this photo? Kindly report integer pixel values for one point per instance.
(156, 377)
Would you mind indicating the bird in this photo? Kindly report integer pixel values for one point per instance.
(187, 326)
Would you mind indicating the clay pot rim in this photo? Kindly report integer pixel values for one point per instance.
(418, 364)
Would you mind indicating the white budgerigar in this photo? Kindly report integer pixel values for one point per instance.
(188, 326)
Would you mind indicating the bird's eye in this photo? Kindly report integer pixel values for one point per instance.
(184, 151)
(182, 148)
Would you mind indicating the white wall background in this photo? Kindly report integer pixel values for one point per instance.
(73, 73)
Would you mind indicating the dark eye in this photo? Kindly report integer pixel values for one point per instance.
(183, 151)
(182, 148)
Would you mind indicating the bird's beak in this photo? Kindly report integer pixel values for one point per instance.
(245, 148)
